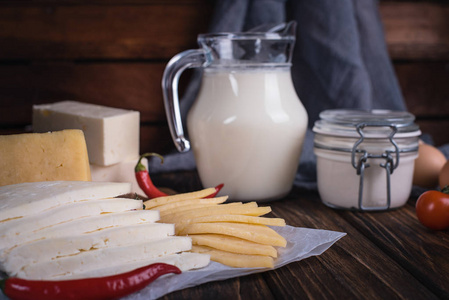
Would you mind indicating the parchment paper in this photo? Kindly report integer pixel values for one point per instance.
(301, 243)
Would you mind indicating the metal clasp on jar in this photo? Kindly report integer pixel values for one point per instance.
(362, 163)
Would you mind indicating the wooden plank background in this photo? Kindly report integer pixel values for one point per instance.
(114, 53)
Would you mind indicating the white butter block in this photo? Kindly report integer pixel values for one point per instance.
(112, 134)
(95, 259)
(185, 261)
(51, 249)
(120, 172)
(17, 231)
(24, 199)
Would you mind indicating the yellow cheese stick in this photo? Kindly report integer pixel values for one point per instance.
(186, 203)
(232, 244)
(255, 233)
(152, 203)
(229, 208)
(236, 260)
(181, 209)
(234, 219)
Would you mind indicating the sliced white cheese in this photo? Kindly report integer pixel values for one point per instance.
(80, 226)
(24, 199)
(96, 259)
(185, 261)
(66, 213)
(112, 134)
(50, 249)
(16, 231)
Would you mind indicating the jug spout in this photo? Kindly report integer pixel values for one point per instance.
(289, 29)
(283, 29)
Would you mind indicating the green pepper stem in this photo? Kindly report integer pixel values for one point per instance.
(141, 167)
(3, 284)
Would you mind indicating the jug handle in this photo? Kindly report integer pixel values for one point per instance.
(170, 79)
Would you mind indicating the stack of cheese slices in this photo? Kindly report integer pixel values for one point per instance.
(233, 233)
(76, 229)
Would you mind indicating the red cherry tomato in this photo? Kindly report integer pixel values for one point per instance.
(432, 209)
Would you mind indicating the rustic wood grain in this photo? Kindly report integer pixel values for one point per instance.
(425, 87)
(155, 138)
(139, 29)
(247, 287)
(135, 86)
(354, 262)
(437, 128)
(399, 234)
(59, 30)
(416, 30)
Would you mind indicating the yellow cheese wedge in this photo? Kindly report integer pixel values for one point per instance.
(232, 244)
(236, 260)
(51, 156)
(249, 208)
(178, 197)
(256, 233)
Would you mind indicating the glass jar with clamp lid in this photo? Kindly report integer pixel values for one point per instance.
(365, 159)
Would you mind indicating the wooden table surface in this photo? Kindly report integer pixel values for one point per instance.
(385, 255)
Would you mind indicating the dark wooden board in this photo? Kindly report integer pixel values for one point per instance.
(416, 30)
(425, 86)
(437, 128)
(83, 30)
(400, 234)
(139, 29)
(247, 287)
(134, 86)
(355, 265)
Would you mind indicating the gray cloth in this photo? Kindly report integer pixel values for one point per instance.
(340, 61)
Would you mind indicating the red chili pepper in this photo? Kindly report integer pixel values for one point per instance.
(110, 287)
(144, 180)
(217, 190)
(146, 184)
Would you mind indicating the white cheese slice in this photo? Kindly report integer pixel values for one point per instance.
(95, 259)
(12, 229)
(24, 199)
(119, 172)
(112, 134)
(54, 248)
(185, 261)
(83, 225)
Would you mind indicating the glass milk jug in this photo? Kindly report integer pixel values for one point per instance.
(247, 124)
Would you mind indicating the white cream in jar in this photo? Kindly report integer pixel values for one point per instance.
(365, 159)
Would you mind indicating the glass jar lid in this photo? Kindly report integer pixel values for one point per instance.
(375, 123)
